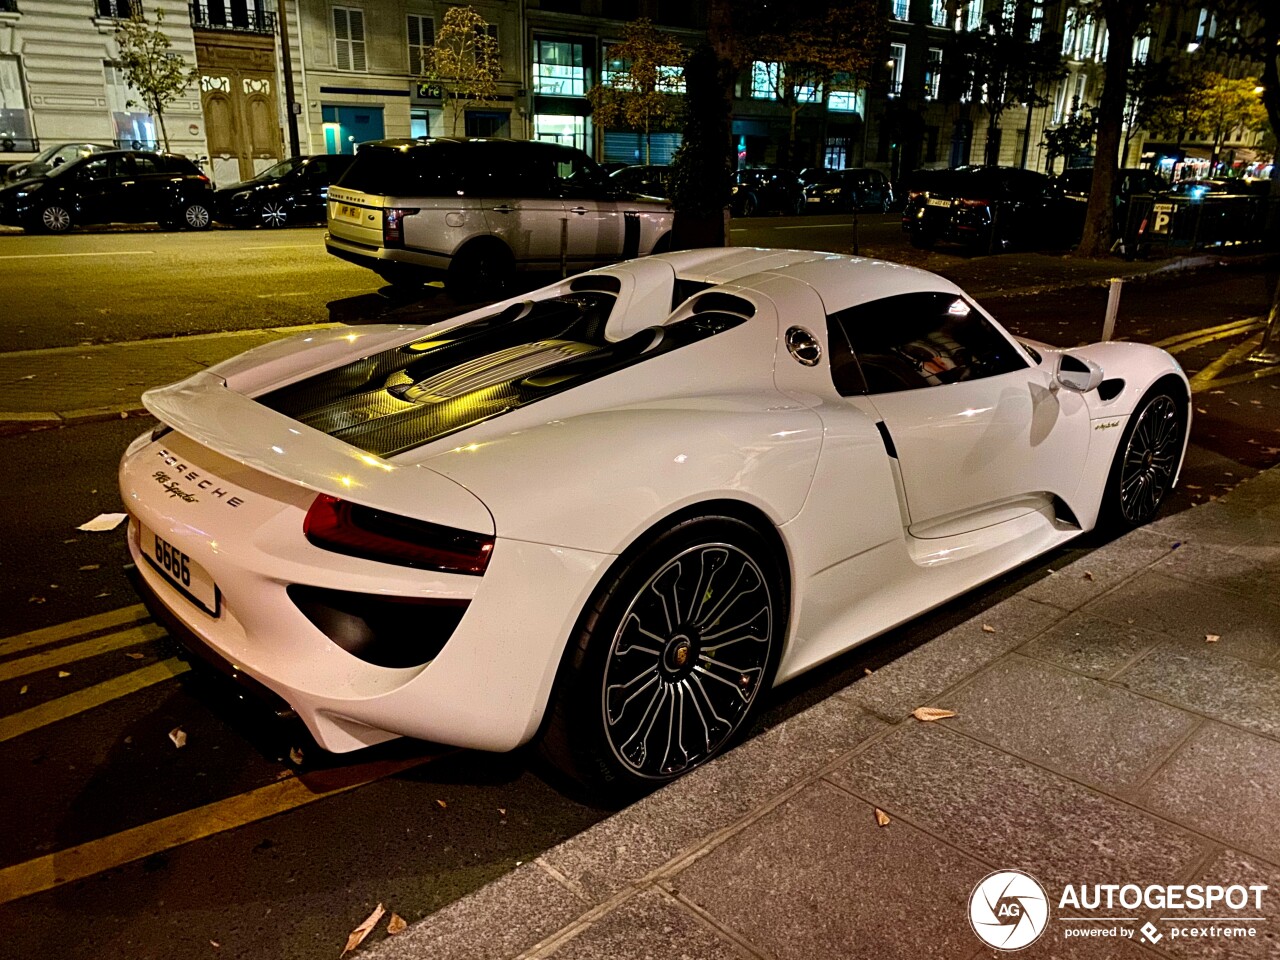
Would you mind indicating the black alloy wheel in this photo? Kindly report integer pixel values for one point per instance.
(671, 660)
(1146, 461)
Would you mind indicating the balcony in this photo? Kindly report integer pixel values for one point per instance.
(233, 17)
(8, 6)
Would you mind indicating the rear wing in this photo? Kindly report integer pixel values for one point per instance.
(203, 408)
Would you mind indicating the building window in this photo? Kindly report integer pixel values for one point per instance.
(669, 79)
(1082, 87)
(902, 9)
(1036, 31)
(569, 130)
(847, 101)
(809, 94)
(115, 9)
(933, 73)
(422, 36)
(764, 80)
(1141, 49)
(974, 12)
(897, 67)
(134, 129)
(15, 121)
(558, 69)
(348, 39)
(938, 13)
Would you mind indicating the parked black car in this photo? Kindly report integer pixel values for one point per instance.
(766, 190)
(648, 180)
(52, 157)
(843, 191)
(984, 208)
(291, 191)
(1076, 183)
(119, 186)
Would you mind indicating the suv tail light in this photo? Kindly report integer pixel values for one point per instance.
(393, 225)
(372, 534)
(974, 203)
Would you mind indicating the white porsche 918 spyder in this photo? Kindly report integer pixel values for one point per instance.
(611, 513)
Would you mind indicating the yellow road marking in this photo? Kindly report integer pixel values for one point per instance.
(76, 863)
(80, 651)
(1238, 378)
(17, 724)
(73, 628)
(1210, 338)
(1234, 326)
(1233, 356)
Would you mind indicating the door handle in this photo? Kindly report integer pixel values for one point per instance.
(578, 210)
(505, 208)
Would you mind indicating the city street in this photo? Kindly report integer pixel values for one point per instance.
(289, 853)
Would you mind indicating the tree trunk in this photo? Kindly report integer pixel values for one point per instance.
(1099, 220)
(164, 134)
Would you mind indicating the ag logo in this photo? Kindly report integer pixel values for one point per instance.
(1008, 910)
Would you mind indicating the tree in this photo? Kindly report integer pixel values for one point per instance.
(800, 52)
(646, 77)
(464, 61)
(998, 66)
(1072, 138)
(1232, 104)
(1175, 102)
(156, 74)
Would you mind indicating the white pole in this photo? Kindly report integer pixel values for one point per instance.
(1113, 307)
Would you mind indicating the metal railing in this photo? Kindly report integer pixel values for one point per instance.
(8, 6)
(233, 18)
(116, 9)
(1163, 223)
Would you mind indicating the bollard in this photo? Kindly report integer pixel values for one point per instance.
(1113, 307)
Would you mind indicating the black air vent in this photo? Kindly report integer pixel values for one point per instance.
(599, 282)
(1110, 389)
(724, 303)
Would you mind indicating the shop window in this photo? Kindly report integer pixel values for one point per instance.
(558, 68)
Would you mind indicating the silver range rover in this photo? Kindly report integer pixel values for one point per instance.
(474, 211)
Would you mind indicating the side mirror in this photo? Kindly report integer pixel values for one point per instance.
(1078, 373)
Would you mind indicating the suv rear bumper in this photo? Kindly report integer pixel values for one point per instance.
(367, 255)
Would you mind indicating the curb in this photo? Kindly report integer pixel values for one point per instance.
(31, 422)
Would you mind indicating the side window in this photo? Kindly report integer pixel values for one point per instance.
(576, 175)
(94, 170)
(145, 166)
(917, 340)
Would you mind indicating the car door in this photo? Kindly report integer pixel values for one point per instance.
(521, 200)
(594, 214)
(980, 432)
(99, 187)
(148, 192)
(308, 187)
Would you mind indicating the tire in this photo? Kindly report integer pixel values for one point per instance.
(273, 213)
(662, 244)
(195, 216)
(797, 207)
(481, 270)
(55, 218)
(1146, 460)
(705, 689)
(746, 206)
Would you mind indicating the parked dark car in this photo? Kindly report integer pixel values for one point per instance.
(766, 190)
(1075, 185)
(120, 186)
(51, 158)
(647, 180)
(1221, 187)
(984, 208)
(843, 191)
(292, 191)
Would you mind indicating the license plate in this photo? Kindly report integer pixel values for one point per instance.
(347, 211)
(937, 203)
(184, 574)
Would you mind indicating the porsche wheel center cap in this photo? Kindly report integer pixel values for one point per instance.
(678, 655)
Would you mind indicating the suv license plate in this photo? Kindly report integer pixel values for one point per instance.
(348, 212)
(187, 577)
(937, 203)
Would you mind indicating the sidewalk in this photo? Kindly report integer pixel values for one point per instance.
(65, 385)
(1098, 738)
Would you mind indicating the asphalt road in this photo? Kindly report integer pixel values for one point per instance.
(429, 824)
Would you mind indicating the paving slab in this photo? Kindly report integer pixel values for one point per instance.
(504, 918)
(818, 878)
(1076, 584)
(917, 678)
(1086, 729)
(1204, 678)
(1011, 813)
(1155, 601)
(632, 843)
(1249, 569)
(1226, 784)
(1227, 868)
(1092, 646)
(1219, 524)
(650, 926)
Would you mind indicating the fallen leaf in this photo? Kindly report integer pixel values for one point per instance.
(1211, 392)
(35, 600)
(62, 674)
(128, 739)
(179, 737)
(397, 924)
(1256, 403)
(867, 671)
(23, 690)
(295, 755)
(1201, 410)
(28, 377)
(359, 933)
(503, 811)
(215, 944)
(882, 818)
(1088, 575)
(124, 414)
(1212, 638)
(90, 566)
(443, 805)
(1194, 486)
(929, 714)
(988, 628)
(135, 655)
(1271, 451)
(1252, 442)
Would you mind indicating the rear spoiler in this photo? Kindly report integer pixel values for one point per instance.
(203, 408)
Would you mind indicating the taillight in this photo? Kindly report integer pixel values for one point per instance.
(914, 194)
(974, 203)
(393, 225)
(372, 534)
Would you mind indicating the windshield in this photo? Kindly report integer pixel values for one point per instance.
(280, 169)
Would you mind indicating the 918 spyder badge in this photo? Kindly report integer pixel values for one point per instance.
(1107, 426)
(210, 486)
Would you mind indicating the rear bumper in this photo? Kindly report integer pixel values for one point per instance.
(371, 257)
